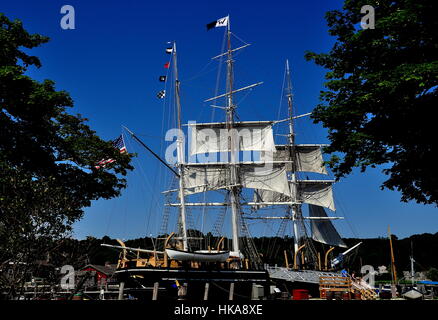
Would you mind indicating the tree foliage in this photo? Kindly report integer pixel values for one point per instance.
(47, 156)
(382, 93)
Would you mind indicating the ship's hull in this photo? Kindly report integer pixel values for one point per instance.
(139, 282)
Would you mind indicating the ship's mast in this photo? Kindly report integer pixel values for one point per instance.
(295, 208)
(234, 191)
(180, 150)
(412, 265)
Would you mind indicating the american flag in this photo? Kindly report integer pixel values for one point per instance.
(118, 143)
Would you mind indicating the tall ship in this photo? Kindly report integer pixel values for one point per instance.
(237, 170)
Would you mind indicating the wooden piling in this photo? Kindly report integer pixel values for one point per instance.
(155, 291)
(207, 288)
(231, 296)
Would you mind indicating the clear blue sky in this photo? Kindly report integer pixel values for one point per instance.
(110, 64)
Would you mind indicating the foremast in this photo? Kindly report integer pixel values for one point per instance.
(180, 150)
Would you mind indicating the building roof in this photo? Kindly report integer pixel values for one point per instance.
(107, 269)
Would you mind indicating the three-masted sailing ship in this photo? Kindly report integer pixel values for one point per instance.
(269, 178)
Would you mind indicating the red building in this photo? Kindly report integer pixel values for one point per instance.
(98, 275)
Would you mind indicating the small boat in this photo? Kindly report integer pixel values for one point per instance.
(413, 294)
(200, 256)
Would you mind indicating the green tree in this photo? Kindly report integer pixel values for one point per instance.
(47, 159)
(382, 93)
(432, 274)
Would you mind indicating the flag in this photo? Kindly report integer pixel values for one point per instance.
(118, 143)
(166, 65)
(222, 22)
(169, 50)
(162, 78)
(161, 94)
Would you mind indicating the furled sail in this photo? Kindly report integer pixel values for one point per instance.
(213, 137)
(316, 192)
(308, 157)
(323, 230)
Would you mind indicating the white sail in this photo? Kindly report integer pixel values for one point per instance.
(272, 178)
(316, 192)
(323, 230)
(213, 137)
(309, 157)
(207, 177)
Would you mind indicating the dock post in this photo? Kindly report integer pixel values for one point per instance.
(155, 291)
(207, 287)
(254, 295)
(182, 291)
(231, 296)
(121, 289)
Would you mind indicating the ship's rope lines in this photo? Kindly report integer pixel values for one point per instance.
(203, 216)
(310, 251)
(219, 223)
(249, 241)
(200, 73)
(169, 197)
(190, 227)
(142, 176)
(163, 173)
(272, 244)
(218, 76)
(234, 35)
(245, 224)
(268, 229)
(276, 128)
(340, 204)
(147, 187)
(247, 92)
(110, 217)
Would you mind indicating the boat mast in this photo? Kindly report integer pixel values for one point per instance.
(295, 208)
(234, 191)
(412, 265)
(180, 150)
(393, 271)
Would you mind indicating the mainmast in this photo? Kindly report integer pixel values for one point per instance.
(234, 190)
(295, 208)
(180, 150)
